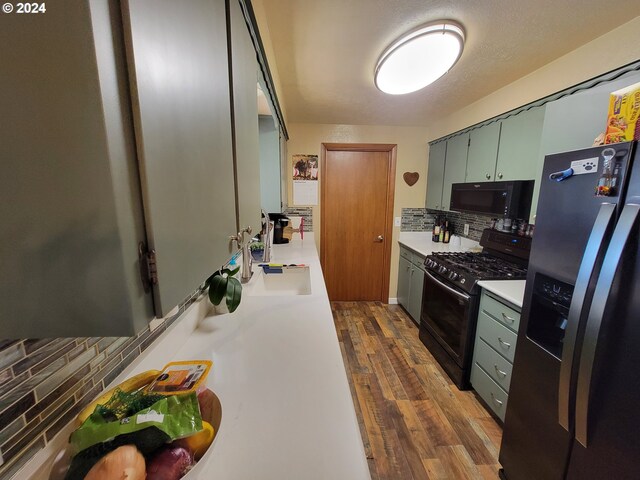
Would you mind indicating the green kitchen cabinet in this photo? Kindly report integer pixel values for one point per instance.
(455, 165)
(71, 213)
(483, 153)
(519, 150)
(574, 121)
(179, 76)
(404, 281)
(494, 350)
(410, 282)
(138, 178)
(244, 70)
(417, 283)
(435, 175)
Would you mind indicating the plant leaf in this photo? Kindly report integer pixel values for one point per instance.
(234, 294)
(217, 288)
(231, 273)
(210, 279)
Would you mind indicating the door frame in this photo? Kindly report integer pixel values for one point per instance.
(391, 149)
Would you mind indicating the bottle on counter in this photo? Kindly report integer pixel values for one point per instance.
(436, 230)
(441, 239)
(447, 232)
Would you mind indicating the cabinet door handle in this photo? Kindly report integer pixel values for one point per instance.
(507, 318)
(500, 372)
(502, 342)
(499, 175)
(488, 176)
(496, 401)
(408, 267)
(379, 238)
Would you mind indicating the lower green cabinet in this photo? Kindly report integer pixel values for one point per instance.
(493, 351)
(404, 281)
(410, 282)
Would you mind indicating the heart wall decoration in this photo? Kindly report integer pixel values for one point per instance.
(411, 178)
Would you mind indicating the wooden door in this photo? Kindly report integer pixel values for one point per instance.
(356, 220)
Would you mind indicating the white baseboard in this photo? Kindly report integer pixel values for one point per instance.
(393, 301)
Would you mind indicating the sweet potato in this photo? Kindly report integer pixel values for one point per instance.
(206, 400)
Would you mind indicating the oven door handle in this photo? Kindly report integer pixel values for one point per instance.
(455, 292)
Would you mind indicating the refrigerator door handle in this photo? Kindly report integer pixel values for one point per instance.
(595, 248)
(628, 220)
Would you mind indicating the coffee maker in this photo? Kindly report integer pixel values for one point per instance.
(279, 222)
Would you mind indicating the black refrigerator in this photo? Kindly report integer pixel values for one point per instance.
(574, 400)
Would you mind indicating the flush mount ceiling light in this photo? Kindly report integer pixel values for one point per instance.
(419, 58)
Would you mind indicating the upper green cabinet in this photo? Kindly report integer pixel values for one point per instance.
(179, 71)
(455, 165)
(121, 142)
(435, 175)
(483, 152)
(573, 122)
(244, 74)
(71, 213)
(499, 151)
(519, 150)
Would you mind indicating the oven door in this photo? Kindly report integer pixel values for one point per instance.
(446, 315)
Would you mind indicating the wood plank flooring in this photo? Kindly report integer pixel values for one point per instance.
(414, 422)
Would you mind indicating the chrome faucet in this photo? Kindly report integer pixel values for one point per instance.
(266, 252)
(246, 253)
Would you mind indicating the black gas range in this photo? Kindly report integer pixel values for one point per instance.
(450, 297)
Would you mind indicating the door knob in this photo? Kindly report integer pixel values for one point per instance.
(488, 176)
(379, 238)
(500, 175)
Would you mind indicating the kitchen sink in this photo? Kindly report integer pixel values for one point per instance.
(292, 281)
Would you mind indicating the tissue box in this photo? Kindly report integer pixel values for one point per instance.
(623, 124)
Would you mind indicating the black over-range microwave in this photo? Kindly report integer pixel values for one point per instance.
(502, 199)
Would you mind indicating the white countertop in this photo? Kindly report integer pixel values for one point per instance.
(511, 290)
(278, 371)
(421, 243)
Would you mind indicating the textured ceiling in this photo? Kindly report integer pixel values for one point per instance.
(326, 51)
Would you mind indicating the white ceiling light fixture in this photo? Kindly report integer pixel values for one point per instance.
(419, 58)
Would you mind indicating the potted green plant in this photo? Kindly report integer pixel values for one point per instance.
(257, 251)
(223, 284)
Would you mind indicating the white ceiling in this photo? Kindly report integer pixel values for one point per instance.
(326, 51)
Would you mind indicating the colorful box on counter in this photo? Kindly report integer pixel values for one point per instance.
(623, 124)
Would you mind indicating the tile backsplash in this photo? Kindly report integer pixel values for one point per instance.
(422, 219)
(415, 220)
(305, 212)
(44, 383)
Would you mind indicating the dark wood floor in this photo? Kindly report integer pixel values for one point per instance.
(415, 423)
